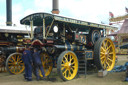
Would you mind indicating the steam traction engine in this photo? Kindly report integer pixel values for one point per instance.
(11, 43)
(70, 43)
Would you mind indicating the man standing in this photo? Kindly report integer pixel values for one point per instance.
(27, 59)
(38, 64)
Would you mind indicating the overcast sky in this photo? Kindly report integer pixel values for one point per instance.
(88, 10)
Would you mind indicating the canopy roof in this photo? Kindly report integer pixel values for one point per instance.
(10, 29)
(37, 19)
(123, 30)
(119, 18)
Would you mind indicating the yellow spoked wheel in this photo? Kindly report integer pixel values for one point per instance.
(104, 54)
(14, 63)
(67, 65)
(47, 64)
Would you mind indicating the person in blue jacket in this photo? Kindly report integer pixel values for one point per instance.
(38, 64)
(27, 59)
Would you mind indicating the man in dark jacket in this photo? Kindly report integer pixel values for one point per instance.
(27, 59)
(38, 64)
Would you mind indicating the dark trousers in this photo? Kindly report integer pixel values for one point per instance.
(37, 68)
(28, 71)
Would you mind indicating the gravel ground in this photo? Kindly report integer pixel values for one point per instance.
(91, 79)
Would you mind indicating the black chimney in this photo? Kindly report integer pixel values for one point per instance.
(55, 9)
(9, 12)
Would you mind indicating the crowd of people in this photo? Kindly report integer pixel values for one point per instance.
(32, 59)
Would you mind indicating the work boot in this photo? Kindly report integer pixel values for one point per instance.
(25, 77)
(29, 79)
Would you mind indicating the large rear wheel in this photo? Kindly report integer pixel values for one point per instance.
(67, 65)
(14, 63)
(104, 54)
(47, 64)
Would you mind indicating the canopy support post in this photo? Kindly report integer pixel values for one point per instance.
(44, 29)
(64, 32)
(49, 28)
(31, 25)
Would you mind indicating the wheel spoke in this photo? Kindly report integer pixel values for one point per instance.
(62, 65)
(62, 68)
(107, 64)
(13, 58)
(16, 69)
(21, 63)
(109, 47)
(71, 58)
(109, 59)
(111, 53)
(65, 71)
(66, 58)
(103, 49)
(10, 63)
(17, 58)
(72, 69)
(104, 44)
(102, 53)
(103, 61)
(73, 63)
(69, 73)
(63, 61)
(103, 57)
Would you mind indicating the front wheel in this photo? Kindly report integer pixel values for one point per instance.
(67, 65)
(14, 63)
(104, 54)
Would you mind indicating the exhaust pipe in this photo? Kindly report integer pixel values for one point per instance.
(55, 9)
(9, 12)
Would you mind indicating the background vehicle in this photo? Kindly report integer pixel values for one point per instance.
(11, 41)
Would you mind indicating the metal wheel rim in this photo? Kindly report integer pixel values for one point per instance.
(107, 54)
(15, 64)
(47, 64)
(69, 66)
